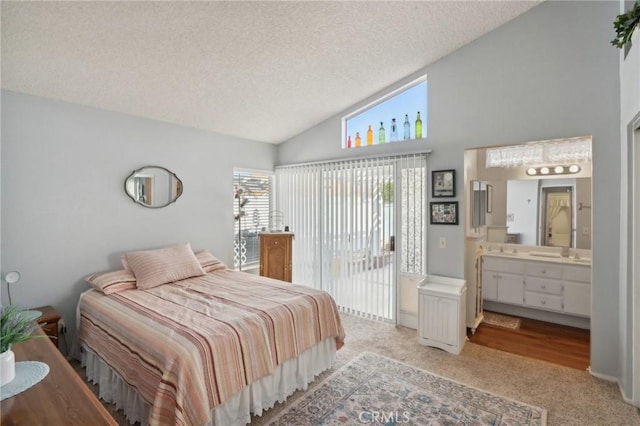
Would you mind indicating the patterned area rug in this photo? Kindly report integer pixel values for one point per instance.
(372, 389)
(500, 320)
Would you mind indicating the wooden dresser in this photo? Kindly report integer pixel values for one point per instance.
(61, 398)
(275, 255)
(49, 322)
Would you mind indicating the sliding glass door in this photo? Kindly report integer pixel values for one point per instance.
(345, 216)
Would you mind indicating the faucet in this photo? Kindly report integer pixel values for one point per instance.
(577, 256)
(501, 249)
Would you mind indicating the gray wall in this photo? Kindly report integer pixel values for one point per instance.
(550, 73)
(630, 328)
(64, 211)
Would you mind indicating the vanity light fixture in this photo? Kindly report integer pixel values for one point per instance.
(572, 150)
(553, 170)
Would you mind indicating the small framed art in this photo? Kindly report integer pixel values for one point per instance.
(444, 212)
(443, 183)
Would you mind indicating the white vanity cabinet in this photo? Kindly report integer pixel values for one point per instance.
(502, 280)
(577, 289)
(558, 285)
(442, 313)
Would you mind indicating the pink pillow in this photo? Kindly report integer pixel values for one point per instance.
(112, 282)
(209, 262)
(156, 267)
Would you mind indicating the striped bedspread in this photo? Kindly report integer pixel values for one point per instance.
(188, 346)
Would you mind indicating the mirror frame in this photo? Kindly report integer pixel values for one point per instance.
(179, 187)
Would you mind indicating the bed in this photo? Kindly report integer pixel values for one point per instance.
(208, 349)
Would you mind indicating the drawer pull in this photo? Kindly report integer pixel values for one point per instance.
(543, 302)
(543, 286)
(544, 271)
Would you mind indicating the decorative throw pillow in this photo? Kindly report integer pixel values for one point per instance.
(156, 267)
(209, 262)
(113, 281)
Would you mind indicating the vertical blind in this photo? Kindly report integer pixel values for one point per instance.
(349, 218)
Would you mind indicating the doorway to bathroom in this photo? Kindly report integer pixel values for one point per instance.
(557, 216)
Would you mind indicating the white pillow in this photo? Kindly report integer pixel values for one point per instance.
(156, 267)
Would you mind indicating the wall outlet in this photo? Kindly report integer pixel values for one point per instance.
(585, 231)
(443, 242)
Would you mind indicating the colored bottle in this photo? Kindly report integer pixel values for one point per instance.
(394, 131)
(370, 135)
(349, 142)
(358, 140)
(381, 136)
(407, 127)
(418, 127)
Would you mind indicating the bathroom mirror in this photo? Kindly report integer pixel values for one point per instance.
(153, 187)
(550, 212)
(478, 203)
(534, 209)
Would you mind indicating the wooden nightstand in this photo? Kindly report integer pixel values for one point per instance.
(49, 322)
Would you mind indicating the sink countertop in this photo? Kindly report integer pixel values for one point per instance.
(523, 255)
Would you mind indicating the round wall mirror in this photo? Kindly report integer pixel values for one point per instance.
(153, 186)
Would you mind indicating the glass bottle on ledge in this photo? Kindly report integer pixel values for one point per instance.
(394, 131)
(370, 135)
(358, 140)
(381, 135)
(349, 142)
(418, 127)
(407, 127)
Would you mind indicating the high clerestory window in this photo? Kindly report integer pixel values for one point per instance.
(398, 116)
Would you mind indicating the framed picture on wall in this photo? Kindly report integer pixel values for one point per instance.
(443, 183)
(444, 212)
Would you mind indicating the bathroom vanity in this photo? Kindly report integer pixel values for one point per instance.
(539, 285)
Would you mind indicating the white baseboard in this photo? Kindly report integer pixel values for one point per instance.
(408, 319)
(613, 380)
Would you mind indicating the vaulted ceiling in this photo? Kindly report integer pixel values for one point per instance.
(264, 71)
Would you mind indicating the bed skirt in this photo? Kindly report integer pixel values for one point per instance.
(256, 398)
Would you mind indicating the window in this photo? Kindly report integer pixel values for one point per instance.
(398, 116)
(251, 207)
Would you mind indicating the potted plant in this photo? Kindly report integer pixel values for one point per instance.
(625, 24)
(15, 327)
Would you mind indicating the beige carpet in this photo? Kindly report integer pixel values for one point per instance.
(571, 397)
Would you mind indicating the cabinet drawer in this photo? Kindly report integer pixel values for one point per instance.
(542, 285)
(545, 270)
(544, 301)
(576, 273)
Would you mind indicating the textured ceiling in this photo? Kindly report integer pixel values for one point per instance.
(264, 71)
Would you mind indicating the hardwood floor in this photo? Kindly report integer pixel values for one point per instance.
(554, 343)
